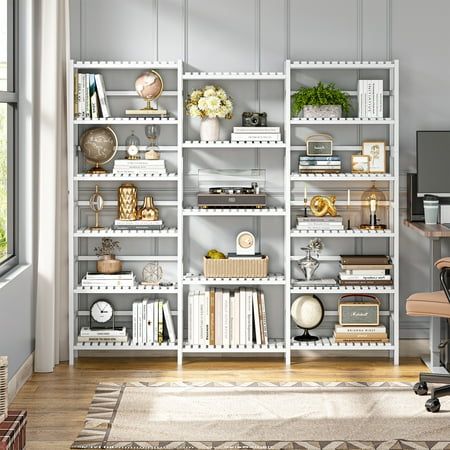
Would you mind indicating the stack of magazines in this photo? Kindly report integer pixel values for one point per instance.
(260, 134)
(140, 166)
(121, 279)
(319, 164)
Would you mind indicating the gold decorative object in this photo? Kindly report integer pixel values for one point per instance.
(148, 210)
(99, 146)
(372, 200)
(127, 203)
(149, 86)
(108, 264)
(321, 205)
(152, 274)
(96, 203)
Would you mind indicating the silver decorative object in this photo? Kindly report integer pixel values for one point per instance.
(308, 264)
(322, 112)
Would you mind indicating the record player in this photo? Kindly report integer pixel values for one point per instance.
(231, 189)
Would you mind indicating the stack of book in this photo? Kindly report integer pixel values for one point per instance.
(319, 164)
(152, 322)
(140, 166)
(265, 134)
(138, 225)
(360, 333)
(90, 100)
(365, 270)
(325, 223)
(370, 99)
(122, 279)
(228, 318)
(103, 335)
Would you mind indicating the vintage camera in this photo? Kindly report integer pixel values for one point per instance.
(254, 119)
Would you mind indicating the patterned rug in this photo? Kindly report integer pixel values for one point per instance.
(265, 415)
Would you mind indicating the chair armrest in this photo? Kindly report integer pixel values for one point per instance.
(442, 263)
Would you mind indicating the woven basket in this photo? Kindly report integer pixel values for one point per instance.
(236, 267)
(3, 387)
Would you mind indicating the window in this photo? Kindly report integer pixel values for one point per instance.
(8, 135)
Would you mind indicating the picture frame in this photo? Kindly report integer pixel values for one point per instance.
(360, 164)
(376, 152)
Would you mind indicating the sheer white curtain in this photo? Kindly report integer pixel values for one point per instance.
(51, 51)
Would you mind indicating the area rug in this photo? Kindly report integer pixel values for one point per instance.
(262, 416)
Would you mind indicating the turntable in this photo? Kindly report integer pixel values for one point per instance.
(232, 193)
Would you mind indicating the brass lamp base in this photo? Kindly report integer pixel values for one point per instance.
(96, 170)
(365, 226)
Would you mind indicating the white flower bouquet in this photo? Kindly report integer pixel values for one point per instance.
(209, 102)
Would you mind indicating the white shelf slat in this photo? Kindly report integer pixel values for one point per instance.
(127, 121)
(124, 346)
(131, 176)
(109, 232)
(135, 94)
(341, 177)
(138, 289)
(342, 289)
(125, 65)
(343, 121)
(273, 279)
(234, 76)
(342, 64)
(274, 346)
(326, 343)
(194, 211)
(353, 233)
(336, 148)
(229, 144)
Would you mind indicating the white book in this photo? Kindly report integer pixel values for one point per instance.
(207, 296)
(264, 332)
(106, 283)
(380, 110)
(258, 130)
(144, 321)
(87, 95)
(140, 162)
(80, 97)
(380, 272)
(103, 99)
(169, 322)
(226, 318)
(201, 306)
(249, 316)
(359, 96)
(190, 319)
(107, 332)
(236, 319)
(218, 314)
(196, 323)
(150, 314)
(345, 276)
(138, 222)
(242, 316)
(155, 320)
(256, 317)
(359, 329)
(134, 323)
(139, 323)
(231, 318)
(267, 137)
(103, 276)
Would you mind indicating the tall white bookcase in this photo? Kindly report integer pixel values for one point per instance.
(183, 209)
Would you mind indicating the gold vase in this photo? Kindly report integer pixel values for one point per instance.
(127, 202)
(148, 210)
(108, 264)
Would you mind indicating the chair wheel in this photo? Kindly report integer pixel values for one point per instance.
(433, 405)
(421, 388)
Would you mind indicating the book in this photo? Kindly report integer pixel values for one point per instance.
(381, 339)
(149, 323)
(212, 317)
(366, 266)
(365, 272)
(75, 94)
(268, 137)
(319, 282)
(365, 259)
(81, 97)
(139, 323)
(92, 93)
(134, 322)
(190, 318)
(169, 321)
(365, 282)
(323, 219)
(249, 316)
(242, 316)
(359, 329)
(346, 276)
(125, 275)
(319, 158)
(119, 222)
(258, 130)
(218, 314)
(226, 318)
(256, 318)
(106, 283)
(196, 324)
(102, 97)
(103, 339)
(95, 332)
(236, 319)
(264, 331)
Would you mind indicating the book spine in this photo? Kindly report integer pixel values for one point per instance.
(75, 94)
(380, 99)
(201, 319)
(256, 317)
(81, 104)
(218, 317)
(160, 322)
(155, 320)
(368, 260)
(365, 282)
(259, 130)
(269, 137)
(212, 317)
(134, 326)
(226, 319)
(236, 319)
(87, 95)
(144, 322)
(150, 314)
(265, 334)
(242, 316)
(206, 299)
(359, 329)
(231, 318)
(190, 319)
(169, 322)
(104, 104)
(139, 322)
(196, 314)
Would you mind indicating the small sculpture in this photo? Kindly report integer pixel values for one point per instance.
(322, 205)
(148, 211)
(308, 264)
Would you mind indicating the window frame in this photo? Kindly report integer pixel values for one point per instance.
(10, 97)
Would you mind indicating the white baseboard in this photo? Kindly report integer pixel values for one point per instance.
(20, 378)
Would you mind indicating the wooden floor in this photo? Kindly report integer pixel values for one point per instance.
(58, 402)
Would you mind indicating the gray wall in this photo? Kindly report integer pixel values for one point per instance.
(260, 34)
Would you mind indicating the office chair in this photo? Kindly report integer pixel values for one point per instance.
(433, 304)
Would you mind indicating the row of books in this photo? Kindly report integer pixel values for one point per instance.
(90, 99)
(267, 134)
(365, 270)
(140, 166)
(319, 164)
(227, 317)
(360, 333)
(123, 279)
(328, 223)
(152, 322)
(370, 99)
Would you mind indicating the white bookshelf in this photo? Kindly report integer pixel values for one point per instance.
(291, 204)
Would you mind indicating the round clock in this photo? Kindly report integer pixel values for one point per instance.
(132, 144)
(245, 243)
(152, 274)
(101, 311)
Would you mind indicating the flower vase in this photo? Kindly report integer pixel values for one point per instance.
(209, 129)
(308, 264)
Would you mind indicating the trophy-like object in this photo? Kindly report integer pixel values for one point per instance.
(96, 203)
(308, 264)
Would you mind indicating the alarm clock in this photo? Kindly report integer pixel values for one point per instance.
(245, 243)
(132, 144)
(101, 312)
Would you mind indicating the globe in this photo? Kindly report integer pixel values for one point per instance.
(307, 312)
(99, 146)
(149, 86)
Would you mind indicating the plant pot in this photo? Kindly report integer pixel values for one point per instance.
(321, 112)
(108, 264)
(209, 129)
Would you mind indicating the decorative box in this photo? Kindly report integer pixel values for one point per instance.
(322, 112)
(359, 312)
(13, 431)
(3, 387)
(236, 267)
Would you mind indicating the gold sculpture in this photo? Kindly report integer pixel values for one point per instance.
(127, 203)
(148, 210)
(322, 205)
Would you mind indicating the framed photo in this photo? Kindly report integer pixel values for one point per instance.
(376, 151)
(360, 164)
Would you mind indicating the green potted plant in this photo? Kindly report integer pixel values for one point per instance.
(107, 262)
(321, 101)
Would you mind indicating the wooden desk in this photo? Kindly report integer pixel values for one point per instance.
(434, 233)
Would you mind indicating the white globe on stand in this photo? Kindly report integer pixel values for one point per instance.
(307, 311)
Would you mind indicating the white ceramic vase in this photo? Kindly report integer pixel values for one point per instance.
(209, 129)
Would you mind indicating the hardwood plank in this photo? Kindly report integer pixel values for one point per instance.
(57, 402)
